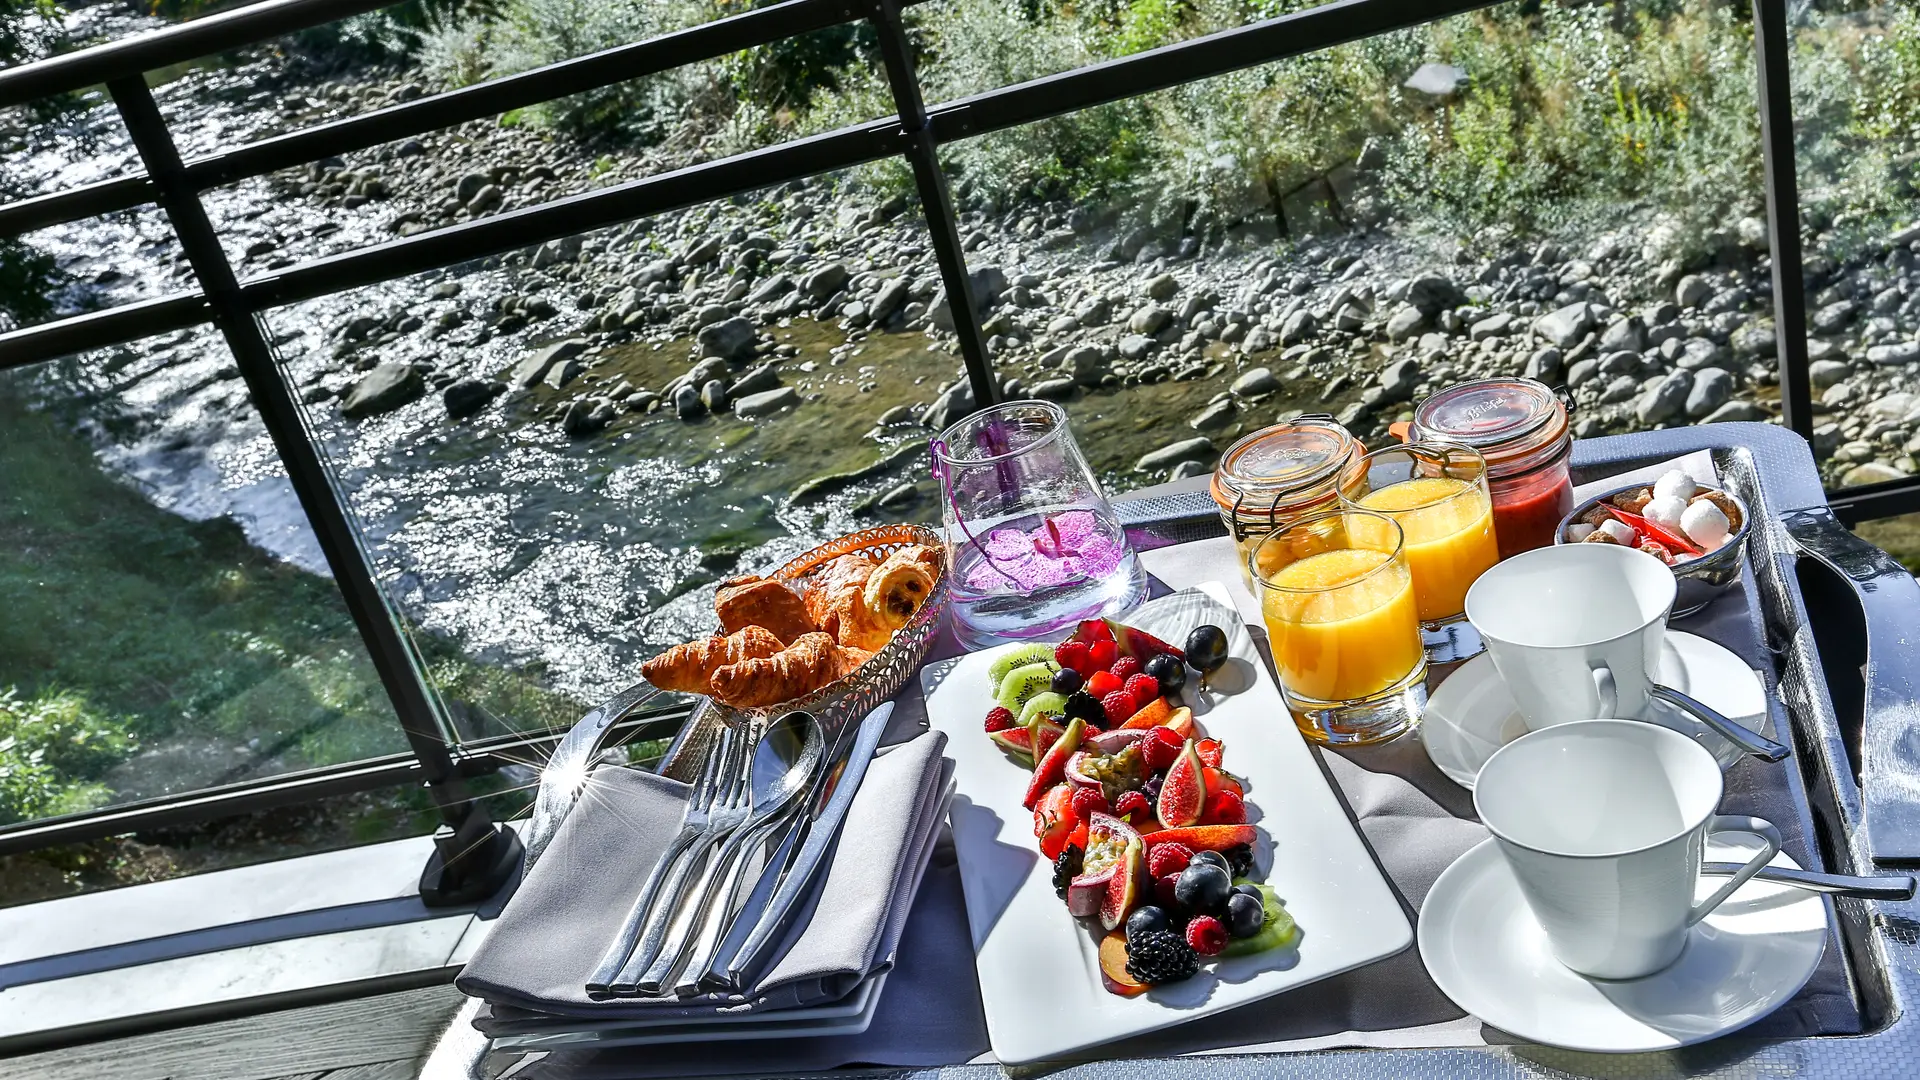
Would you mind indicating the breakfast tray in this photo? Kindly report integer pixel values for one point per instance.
(1841, 684)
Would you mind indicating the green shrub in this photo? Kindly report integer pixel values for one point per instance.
(53, 747)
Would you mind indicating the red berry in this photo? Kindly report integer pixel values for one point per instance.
(1163, 891)
(1104, 653)
(1142, 688)
(999, 718)
(1073, 654)
(1131, 804)
(1158, 753)
(1092, 630)
(1205, 935)
(1102, 683)
(1169, 858)
(1210, 751)
(1088, 802)
(1126, 667)
(1224, 807)
(1118, 706)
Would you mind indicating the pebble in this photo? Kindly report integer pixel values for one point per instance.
(1198, 449)
(765, 402)
(1256, 382)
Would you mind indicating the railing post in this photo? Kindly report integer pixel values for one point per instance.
(1773, 51)
(935, 200)
(472, 857)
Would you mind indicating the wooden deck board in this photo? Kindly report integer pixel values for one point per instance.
(384, 1037)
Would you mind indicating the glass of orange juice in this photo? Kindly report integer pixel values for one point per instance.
(1437, 493)
(1342, 616)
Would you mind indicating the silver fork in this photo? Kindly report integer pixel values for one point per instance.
(721, 763)
(730, 809)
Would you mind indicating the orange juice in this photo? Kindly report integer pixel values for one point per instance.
(1449, 538)
(1357, 633)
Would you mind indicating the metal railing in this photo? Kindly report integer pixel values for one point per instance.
(915, 132)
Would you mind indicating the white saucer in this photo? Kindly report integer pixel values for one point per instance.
(1485, 951)
(1471, 714)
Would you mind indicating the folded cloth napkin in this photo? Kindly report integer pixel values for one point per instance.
(551, 935)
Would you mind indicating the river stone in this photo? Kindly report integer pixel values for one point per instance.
(1666, 400)
(899, 414)
(1188, 469)
(703, 252)
(686, 402)
(1582, 372)
(826, 281)
(1712, 388)
(729, 339)
(898, 498)
(765, 402)
(1624, 335)
(1196, 449)
(1620, 363)
(564, 372)
(1258, 339)
(1734, 412)
(384, 389)
(1398, 379)
(584, 417)
(1150, 319)
(891, 297)
(1544, 365)
(1433, 293)
(1405, 322)
(1565, 326)
(704, 372)
(1890, 406)
(1692, 291)
(1135, 346)
(1257, 382)
(1085, 364)
(1905, 352)
(487, 198)
(1062, 324)
(1214, 417)
(714, 396)
(1824, 373)
(534, 368)
(1833, 317)
(1492, 326)
(468, 186)
(757, 380)
(953, 403)
(464, 397)
(1873, 472)
(773, 288)
(1053, 389)
(1094, 313)
(1756, 339)
(641, 400)
(1622, 388)
(1298, 327)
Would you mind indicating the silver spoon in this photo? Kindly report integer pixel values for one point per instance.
(1887, 887)
(784, 762)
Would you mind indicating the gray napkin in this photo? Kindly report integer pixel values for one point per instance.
(552, 933)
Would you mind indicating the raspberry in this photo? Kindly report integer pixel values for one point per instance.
(1210, 751)
(1156, 754)
(1206, 936)
(1073, 654)
(1224, 808)
(1104, 653)
(1088, 802)
(1092, 630)
(1142, 688)
(999, 718)
(1130, 805)
(1168, 858)
(1163, 891)
(1118, 706)
(1125, 667)
(1102, 683)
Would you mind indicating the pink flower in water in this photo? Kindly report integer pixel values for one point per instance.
(1065, 548)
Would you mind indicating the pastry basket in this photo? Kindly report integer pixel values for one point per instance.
(850, 699)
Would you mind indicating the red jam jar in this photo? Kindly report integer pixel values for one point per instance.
(1520, 426)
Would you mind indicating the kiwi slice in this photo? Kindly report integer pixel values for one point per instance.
(1024, 682)
(1017, 658)
(1277, 930)
(1046, 701)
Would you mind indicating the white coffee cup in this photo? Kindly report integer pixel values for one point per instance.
(1575, 630)
(1604, 823)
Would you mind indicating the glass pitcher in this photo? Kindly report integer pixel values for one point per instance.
(1032, 542)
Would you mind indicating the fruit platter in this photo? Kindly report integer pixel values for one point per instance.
(1145, 830)
(1144, 837)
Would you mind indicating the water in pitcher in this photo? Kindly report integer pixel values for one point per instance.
(1035, 575)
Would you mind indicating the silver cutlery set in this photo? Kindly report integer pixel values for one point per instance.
(695, 926)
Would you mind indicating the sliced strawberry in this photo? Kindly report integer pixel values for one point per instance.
(1210, 751)
(1102, 683)
(1054, 820)
(1221, 780)
(1092, 630)
(1073, 654)
(1051, 768)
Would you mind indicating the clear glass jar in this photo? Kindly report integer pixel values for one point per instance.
(1522, 428)
(1278, 475)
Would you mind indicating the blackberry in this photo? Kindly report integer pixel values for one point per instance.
(1239, 860)
(1065, 869)
(1160, 956)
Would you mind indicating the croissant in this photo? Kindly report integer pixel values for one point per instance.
(689, 667)
(808, 664)
(896, 590)
(753, 601)
(841, 583)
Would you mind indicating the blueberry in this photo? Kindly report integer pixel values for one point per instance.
(1202, 886)
(1215, 858)
(1169, 669)
(1144, 919)
(1066, 681)
(1245, 915)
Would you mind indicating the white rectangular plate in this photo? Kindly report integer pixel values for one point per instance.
(1039, 970)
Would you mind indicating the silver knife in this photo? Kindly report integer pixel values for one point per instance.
(835, 796)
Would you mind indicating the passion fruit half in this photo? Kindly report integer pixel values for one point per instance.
(1111, 872)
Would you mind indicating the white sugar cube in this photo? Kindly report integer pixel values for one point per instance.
(1578, 531)
(1620, 531)
(1674, 483)
(1705, 524)
(1665, 511)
